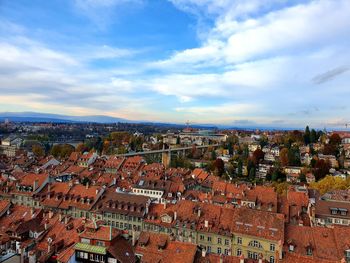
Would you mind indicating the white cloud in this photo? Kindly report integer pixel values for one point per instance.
(103, 12)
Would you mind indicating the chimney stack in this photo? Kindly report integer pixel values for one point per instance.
(35, 185)
(50, 214)
(199, 212)
(206, 223)
(175, 215)
(204, 252)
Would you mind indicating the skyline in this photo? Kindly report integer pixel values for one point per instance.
(273, 63)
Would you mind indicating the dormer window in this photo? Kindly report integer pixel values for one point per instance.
(334, 211)
(343, 211)
(347, 254)
(309, 251)
(291, 248)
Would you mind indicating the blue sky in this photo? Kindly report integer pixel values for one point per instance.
(240, 62)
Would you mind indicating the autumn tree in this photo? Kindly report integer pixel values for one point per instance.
(258, 155)
(284, 157)
(38, 150)
(81, 147)
(335, 139)
(330, 183)
(219, 167)
(321, 169)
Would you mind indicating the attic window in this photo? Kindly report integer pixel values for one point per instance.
(291, 248)
(309, 251)
(347, 254)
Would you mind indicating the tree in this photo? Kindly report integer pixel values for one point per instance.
(258, 155)
(38, 150)
(252, 173)
(330, 149)
(240, 167)
(213, 155)
(313, 136)
(307, 135)
(263, 141)
(284, 157)
(330, 183)
(219, 167)
(321, 169)
(335, 139)
(294, 156)
(81, 147)
(302, 178)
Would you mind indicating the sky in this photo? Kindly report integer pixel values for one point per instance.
(273, 63)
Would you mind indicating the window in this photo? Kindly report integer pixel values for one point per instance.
(239, 240)
(255, 243)
(272, 259)
(219, 250)
(209, 239)
(291, 248)
(309, 251)
(209, 249)
(100, 243)
(227, 242)
(226, 251)
(239, 252)
(219, 240)
(85, 241)
(253, 255)
(272, 247)
(334, 211)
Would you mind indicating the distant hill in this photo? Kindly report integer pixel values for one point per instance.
(49, 117)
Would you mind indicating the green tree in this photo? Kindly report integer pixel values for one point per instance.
(313, 136)
(302, 178)
(252, 173)
(213, 155)
(307, 135)
(240, 167)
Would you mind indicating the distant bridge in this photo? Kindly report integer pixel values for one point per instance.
(166, 153)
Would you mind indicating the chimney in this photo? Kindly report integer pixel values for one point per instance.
(206, 223)
(60, 217)
(133, 238)
(175, 215)
(46, 225)
(164, 204)
(35, 185)
(96, 191)
(199, 212)
(70, 184)
(204, 252)
(50, 214)
(241, 259)
(87, 185)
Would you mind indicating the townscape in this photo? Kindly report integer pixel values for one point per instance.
(173, 195)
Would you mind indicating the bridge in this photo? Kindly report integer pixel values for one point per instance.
(166, 153)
